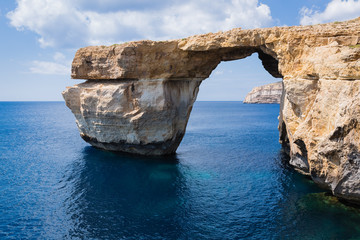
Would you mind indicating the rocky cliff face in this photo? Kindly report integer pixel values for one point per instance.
(140, 94)
(270, 93)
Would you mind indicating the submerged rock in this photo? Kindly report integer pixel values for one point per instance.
(139, 95)
(270, 93)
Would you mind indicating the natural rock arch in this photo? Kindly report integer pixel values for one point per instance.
(168, 75)
(139, 95)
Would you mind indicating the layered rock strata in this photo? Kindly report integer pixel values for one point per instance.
(139, 95)
(146, 117)
(269, 93)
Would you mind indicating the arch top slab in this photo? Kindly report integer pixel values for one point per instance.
(299, 50)
(139, 95)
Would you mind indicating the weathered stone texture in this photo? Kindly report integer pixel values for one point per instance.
(141, 93)
(321, 118)
(144, 117)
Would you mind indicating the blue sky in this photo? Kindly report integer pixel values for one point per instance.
(40, 37)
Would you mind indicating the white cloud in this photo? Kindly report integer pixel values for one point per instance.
(76, 23)
(336, 10)
(60, 66)
(51, 68)
(59, 57)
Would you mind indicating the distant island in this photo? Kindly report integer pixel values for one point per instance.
(270, 93)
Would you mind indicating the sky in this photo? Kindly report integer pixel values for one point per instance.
(39, 38)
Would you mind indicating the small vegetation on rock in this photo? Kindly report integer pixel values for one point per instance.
(355, 46)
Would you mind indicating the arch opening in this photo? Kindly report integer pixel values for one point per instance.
(268, 58)
(229, 75)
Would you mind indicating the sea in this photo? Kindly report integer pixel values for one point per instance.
(230, 179)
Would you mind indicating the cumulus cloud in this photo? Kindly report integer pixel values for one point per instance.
(336, 10)
(75, 23)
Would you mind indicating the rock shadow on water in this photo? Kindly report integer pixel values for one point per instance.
(309, 212)
(112, 197)
(336, 219)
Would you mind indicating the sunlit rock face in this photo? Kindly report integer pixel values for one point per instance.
(269, 93)
(146, 117)
(139, 95)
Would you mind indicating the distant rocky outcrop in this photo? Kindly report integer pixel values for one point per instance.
(139, 95)
(270, 93)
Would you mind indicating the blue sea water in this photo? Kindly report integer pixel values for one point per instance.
(228, 180)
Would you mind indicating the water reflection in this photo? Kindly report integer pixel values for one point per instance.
(115, 196)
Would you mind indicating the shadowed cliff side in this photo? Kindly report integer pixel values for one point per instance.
(139, 95)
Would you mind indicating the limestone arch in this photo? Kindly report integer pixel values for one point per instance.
(138, 95)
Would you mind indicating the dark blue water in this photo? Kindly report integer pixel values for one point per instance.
(229, 180)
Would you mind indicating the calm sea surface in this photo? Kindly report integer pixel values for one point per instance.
(229, 180)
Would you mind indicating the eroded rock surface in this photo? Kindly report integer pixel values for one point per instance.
(269, 93)
(141, 93)
(139, 116)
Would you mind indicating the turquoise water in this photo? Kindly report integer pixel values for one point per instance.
(229, 180)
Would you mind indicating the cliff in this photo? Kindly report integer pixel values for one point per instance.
(139, 95)
(270, 93)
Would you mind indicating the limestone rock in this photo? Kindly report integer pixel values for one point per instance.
(270, 93)
(143, 117)
(139, 95)
(320, 124)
